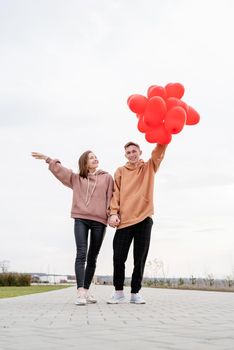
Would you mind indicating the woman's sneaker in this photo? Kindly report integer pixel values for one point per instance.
(116, 299)
(81, 300)
(137, 299)
(90, 299)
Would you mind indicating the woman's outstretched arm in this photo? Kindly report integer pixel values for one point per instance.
(60, 172)
(38, 155)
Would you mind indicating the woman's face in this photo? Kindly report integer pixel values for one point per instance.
(92, 162)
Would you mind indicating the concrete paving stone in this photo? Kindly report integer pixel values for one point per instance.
(171, 319)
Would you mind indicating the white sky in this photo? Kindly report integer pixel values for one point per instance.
(66, 71)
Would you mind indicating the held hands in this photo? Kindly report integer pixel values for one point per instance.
(39, 155)
(114, 220)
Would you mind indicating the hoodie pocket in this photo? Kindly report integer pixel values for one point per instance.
(140, 205)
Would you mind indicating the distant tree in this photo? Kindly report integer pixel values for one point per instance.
(181, 281)
(161, 282)
(148, 268)
(4, 265)
(229, 280)
(193, 280)
(210, 278)
(155, 268)
(168, 282)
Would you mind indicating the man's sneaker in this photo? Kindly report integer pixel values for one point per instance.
(90, 299)
(81, 300)
(116, 299)
(137, 299)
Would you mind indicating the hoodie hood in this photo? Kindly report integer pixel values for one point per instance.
(98, 172)
(131, 166)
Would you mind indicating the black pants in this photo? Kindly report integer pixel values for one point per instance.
(84, 275)
(140, 234)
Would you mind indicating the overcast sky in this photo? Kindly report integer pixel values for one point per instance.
(66, 71)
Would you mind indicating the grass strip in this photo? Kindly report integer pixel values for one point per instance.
(10, 292)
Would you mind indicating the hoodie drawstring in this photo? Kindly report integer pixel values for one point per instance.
(87, 197)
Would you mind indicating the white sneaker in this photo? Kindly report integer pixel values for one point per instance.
(81, 300)
(136, 298)
(90, 299)
(116, 299)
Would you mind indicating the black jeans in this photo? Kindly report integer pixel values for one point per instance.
(84, 275)
(140, 234)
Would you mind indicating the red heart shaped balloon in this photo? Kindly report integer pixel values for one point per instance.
(155, 111)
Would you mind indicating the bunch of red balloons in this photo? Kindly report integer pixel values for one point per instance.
(162, 113)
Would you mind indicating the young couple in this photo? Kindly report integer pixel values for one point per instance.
(125, 204)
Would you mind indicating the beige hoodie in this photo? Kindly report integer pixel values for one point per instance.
(133, 189)
(91, 196)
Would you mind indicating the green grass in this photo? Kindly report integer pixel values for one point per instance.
(9, 292)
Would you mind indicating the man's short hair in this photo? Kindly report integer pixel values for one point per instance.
(130, 143)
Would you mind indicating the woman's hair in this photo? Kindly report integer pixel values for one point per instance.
(83, 160)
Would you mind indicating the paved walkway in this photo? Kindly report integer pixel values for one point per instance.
(171, 319)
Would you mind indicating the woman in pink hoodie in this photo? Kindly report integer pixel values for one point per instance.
(92, 192)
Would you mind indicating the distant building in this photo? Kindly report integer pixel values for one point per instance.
(50, 278)
(108, 280)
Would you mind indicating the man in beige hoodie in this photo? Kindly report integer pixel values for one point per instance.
(131, 211)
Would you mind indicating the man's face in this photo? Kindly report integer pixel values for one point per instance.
(132, 153)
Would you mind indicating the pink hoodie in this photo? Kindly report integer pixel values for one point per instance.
(91, 196)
